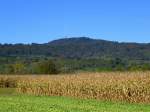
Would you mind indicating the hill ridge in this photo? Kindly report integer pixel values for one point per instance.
(82, 47)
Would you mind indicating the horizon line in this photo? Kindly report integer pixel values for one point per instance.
(74, 37)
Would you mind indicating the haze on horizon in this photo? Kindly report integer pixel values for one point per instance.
(40, 21)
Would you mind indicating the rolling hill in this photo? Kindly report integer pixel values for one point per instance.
(82, 47)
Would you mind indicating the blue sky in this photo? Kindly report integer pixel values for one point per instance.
(27, 21)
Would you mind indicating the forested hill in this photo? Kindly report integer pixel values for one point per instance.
(82, 47)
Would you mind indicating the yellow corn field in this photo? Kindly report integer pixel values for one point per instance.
(112, 86)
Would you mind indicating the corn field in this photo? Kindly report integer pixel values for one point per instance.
(131, 87)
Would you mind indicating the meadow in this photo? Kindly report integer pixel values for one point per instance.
(65, 104)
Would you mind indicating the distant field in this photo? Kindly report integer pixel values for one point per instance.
(110, 86)
(63, 104)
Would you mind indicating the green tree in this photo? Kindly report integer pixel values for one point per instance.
(19, 68)
(46, 67)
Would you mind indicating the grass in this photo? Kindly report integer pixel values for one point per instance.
(63, 104)
(7, 91)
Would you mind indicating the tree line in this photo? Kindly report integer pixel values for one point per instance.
(48, 65)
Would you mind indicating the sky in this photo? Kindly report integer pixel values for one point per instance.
(40, 21)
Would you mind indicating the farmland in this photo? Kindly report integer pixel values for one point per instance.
(133, 87)
(80, 92)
